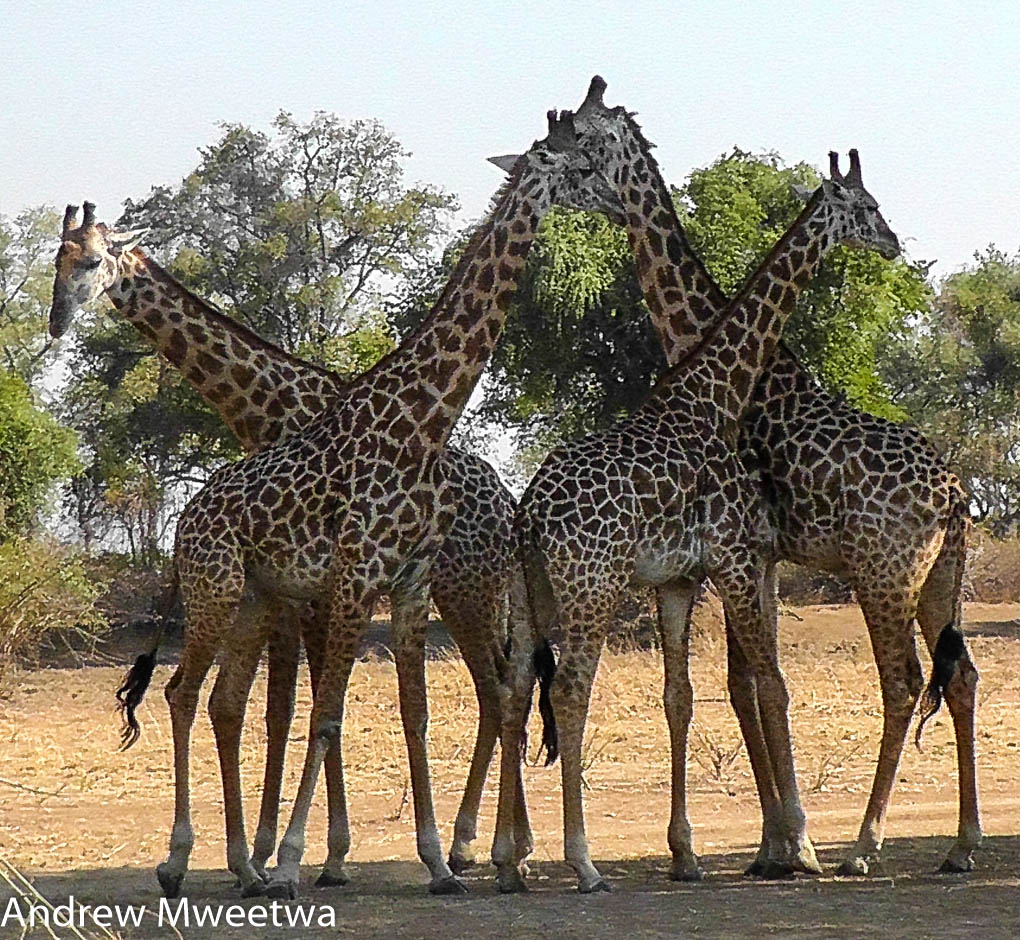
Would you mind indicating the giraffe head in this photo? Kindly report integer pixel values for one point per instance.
(562, 171)
(610, 135)
(87, 263)
(853, 212)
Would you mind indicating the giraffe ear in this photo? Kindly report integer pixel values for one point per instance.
(505, 161)
(125, 241)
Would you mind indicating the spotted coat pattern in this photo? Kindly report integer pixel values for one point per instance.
(358, 502)
(662, 499)
(847, 492)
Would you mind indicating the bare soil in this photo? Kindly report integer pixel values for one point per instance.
(79, 818)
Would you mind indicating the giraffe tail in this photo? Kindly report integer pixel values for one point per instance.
(543, 659)
(545, 669)
(950, 648)
(136, 681)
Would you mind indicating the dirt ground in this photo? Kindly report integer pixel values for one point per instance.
(100, 820)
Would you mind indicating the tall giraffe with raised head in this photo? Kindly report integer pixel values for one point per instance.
(848, 493)
(264, 395)
(357, 504)
(661, 499)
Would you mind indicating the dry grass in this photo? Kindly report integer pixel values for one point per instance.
(75, 803)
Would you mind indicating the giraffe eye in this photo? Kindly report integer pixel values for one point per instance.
(90, 264)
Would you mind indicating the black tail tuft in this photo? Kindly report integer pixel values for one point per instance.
(950, 648)
(545, 669)
(130, 694)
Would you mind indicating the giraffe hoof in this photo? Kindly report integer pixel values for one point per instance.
(756, 869)
(460, 864)
(282, 890)
(255, 889)
(511, 882)
(169, 881)
(952, 867)
(448, 886)
(771, 870)
(596, 887)
(328, 879)
(806, 862)
(697, 873)
(854, 868)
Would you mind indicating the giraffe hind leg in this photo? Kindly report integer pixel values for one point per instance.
(939, 605)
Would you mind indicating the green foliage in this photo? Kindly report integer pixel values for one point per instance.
(35, 454)
(579, 350)
(957, 373)
(300, 233)
(46, 595)
(27, 243)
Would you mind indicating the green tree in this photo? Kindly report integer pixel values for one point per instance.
(303, 234)
(957, 373)
(35, 454)
(579, 349)
(27, 244)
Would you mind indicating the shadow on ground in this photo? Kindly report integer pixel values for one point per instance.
(389, 899)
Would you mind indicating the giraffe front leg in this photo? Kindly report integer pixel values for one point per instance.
(349, 615)
(410, 619)
(674, 602)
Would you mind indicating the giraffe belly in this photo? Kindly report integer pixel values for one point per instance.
(660, 560)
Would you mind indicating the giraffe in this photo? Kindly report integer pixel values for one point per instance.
(662, 499)
(356, 505)
(265, 395)
(848, 493)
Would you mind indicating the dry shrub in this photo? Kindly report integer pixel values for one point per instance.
(993, 569)
(46, 599)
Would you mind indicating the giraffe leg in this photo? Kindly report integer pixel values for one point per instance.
(745, 590)
(674, 603)
(284, 653)
(475, 624)
(512, 842)
(410, 618)
(888, 610)
(350, 611)
(227, 706)
(338, 832)
(743, 694)
(205, 622)
(938, 605)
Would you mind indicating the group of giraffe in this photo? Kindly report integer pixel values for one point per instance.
(737, 459)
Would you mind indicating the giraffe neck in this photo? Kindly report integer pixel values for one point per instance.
(726, 363)
(428, 379)
(262, 393)
(682, 297)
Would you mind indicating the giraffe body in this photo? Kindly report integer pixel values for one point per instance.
(358, 504)
(855, 495)
(265, 395)
(663, 496)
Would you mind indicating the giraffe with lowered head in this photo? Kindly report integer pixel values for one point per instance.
(356, 504)
(661, 499)
(265, 395)
(848, 493)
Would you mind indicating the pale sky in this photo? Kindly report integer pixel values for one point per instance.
(103, 100)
